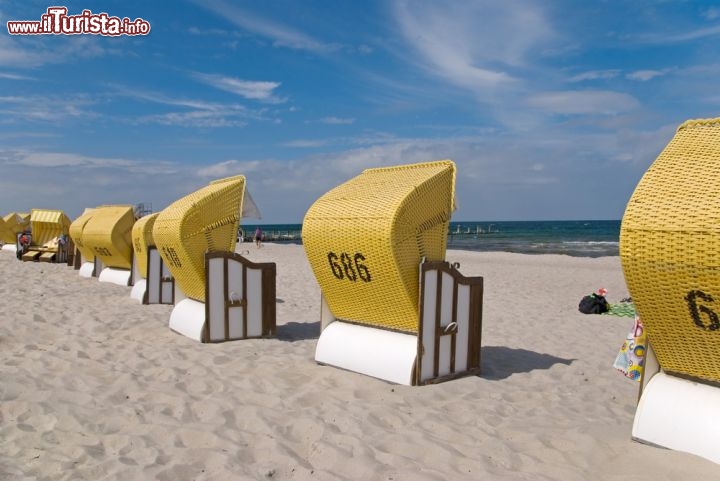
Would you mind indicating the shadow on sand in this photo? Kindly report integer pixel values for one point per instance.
(298, 331)
(499, 362)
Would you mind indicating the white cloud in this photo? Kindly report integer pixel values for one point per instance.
(590, 102)
(15, 109)
(712, 13)
(645, 75)
(62, 160)
(13, 54)
(595, 75)
(281, 35)
(681, 37)
(476, 45)
(337, 121)
(254, 90)
(201, 113)
(229, 168)
(71, 182)
(37, 51)
(196, 118)
(12, 76)
(501, 175)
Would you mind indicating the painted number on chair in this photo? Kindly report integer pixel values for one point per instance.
(704, 317)
(347, 266)
(171, 257)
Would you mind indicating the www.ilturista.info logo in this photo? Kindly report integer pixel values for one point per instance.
(57, 22)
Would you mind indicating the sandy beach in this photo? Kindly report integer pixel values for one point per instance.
(94, 386)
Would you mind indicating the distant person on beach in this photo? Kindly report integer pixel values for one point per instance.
(24, 240)
(258, 237)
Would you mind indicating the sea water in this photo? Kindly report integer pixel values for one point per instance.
(579, 238)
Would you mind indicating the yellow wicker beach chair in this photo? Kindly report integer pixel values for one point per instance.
(365, 241)
(14, 223)
(219, 295)
(86, 255)
(107, 234)
(141, 240)
(205, 221)
(47, 227)
(6, 235)
(669, 247)
(154, 283)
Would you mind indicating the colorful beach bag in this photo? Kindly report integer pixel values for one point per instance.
(631, 358)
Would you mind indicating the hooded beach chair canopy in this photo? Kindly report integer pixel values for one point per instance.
(14, 224)
(391, 307)
(218, 294)
(47, 224)
(365, 240)
(107, 234)
(76, 230)
(204, 221)
(670, 251)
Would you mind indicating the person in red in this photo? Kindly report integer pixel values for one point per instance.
(23, 243)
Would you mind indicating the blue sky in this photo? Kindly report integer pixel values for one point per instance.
(551, 110)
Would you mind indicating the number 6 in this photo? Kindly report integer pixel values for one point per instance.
(335, 266)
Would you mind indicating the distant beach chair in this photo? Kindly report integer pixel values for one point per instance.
(391, 307)
(154, 283)
(14, 223)
(6, 235)
(84, 255)
(47, 227)
(669, 247)
(219, 295)
(107, 234)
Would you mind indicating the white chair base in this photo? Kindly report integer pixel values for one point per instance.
(138, 290)
(677, 413)
(121, 277)
(366, 350)
(447, 344)
(87, 269)
(240, 298)
(10, 248)
(188, 318)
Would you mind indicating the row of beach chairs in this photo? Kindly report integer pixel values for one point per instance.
(392, 307)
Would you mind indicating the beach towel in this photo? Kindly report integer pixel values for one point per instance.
(631, 358)
(623, 309)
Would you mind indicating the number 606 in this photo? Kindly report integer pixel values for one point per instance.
(349, 267)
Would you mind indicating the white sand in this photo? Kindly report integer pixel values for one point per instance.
(95, 386)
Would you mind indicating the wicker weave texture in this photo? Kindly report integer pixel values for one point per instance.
(141, 239)
(205, 221)
(76, 230)
(365, 239)
(47, 224)
(670, 251)
(108, 235)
